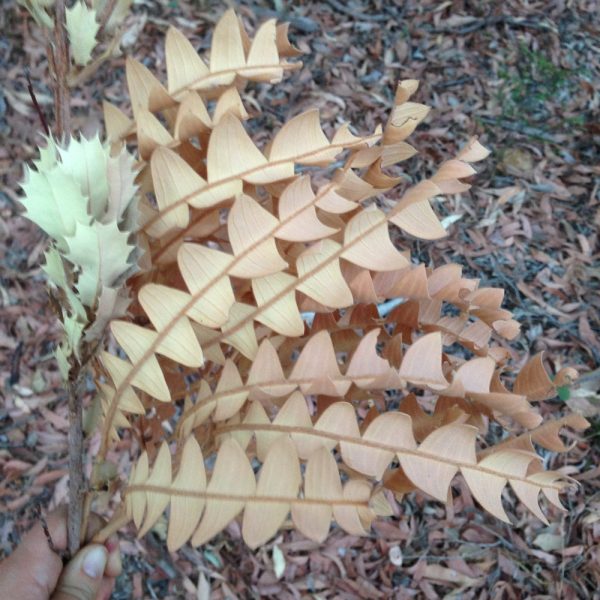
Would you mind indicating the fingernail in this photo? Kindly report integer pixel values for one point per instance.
(94, 562)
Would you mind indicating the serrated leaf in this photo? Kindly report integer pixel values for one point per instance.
(82, 28)
(112, 304)
(118, 14)
(63, 362)
(37, 9)
(48, 155)
(122, 190)
(101, 251)
(86, 162)
(54, 267)
(54, 202)
(73, 332)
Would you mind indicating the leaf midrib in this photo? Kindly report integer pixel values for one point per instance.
(377, 446)
(249, 387)
(187, 88)
(157, 489)
(285, 66)
(293, 159)
(182, 233)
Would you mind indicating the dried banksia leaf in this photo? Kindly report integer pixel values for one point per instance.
(201, 509)
(278, 305)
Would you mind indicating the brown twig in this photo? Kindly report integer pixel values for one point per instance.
(86, 510)
(491, 21)
(105, 16)
(36, 104)
(61, 72)
(62, 111)
(16, 364)
(76, 481)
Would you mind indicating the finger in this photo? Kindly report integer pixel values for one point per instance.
(106, 588)
(113, 566)
(16, 571)
(56, 522)
(82, 577)
(57, 528)
(95, 524)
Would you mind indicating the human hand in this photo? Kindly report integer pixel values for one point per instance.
(35, 572)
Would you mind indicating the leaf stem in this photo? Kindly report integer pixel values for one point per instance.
(120, 519)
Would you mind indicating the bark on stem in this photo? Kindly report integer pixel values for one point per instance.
(61, 63)
(61, 72)
(76, 482)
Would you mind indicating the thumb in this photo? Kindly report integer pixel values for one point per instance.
(82, 577)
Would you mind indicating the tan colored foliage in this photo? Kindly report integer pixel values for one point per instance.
(278, 415)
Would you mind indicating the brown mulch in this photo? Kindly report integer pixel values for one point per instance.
(521, 75)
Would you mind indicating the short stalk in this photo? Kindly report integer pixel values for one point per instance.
(120, 519)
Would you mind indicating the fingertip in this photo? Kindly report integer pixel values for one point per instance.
(106, 588)
(83, 576)
(114, 565)
(112, 544)
(56, 522)
(95, 561)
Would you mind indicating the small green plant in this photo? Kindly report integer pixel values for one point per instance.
(528, 86)
(84, 197)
